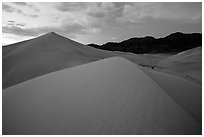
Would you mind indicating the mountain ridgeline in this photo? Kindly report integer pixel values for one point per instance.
(173, 43)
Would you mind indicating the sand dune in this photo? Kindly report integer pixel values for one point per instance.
(42, 55)
(186, 93)
(110, 96)
(187, 63)
(51, 52)
(195, 52)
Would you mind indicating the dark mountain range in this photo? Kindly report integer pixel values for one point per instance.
(173, 43)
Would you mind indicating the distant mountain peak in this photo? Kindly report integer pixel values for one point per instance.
(173, 43)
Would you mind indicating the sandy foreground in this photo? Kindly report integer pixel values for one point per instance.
(110, 96)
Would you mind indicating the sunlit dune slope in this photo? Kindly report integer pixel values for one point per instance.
(187, 63)
(110, 96)
(186, 93)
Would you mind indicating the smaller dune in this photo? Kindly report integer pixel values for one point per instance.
(187, 64)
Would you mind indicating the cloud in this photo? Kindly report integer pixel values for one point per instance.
(101, 9)
(70, 6)
(21, 24)
(26, 4)
(7, 8)
(19, 31)
(88, 13)
(90, 20)
(21, 3)
(137, 12)
(74, 13)
(67, 23)
(24, 14)
(33, 16)
(91, 30)
(95, 9)
(66, 30)
(11, 21)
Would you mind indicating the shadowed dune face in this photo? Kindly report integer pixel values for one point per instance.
(94, 99)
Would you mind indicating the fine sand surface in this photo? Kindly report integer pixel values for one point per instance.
(187, 63)
(186, 93)
(110, 96)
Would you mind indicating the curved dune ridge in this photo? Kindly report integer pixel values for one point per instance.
(47, 53)
(190, 53)
(186, 93)
(110, 96)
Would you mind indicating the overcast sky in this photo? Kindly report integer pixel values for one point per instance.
(98, 22)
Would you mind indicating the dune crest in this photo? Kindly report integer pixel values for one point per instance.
(44, 54)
